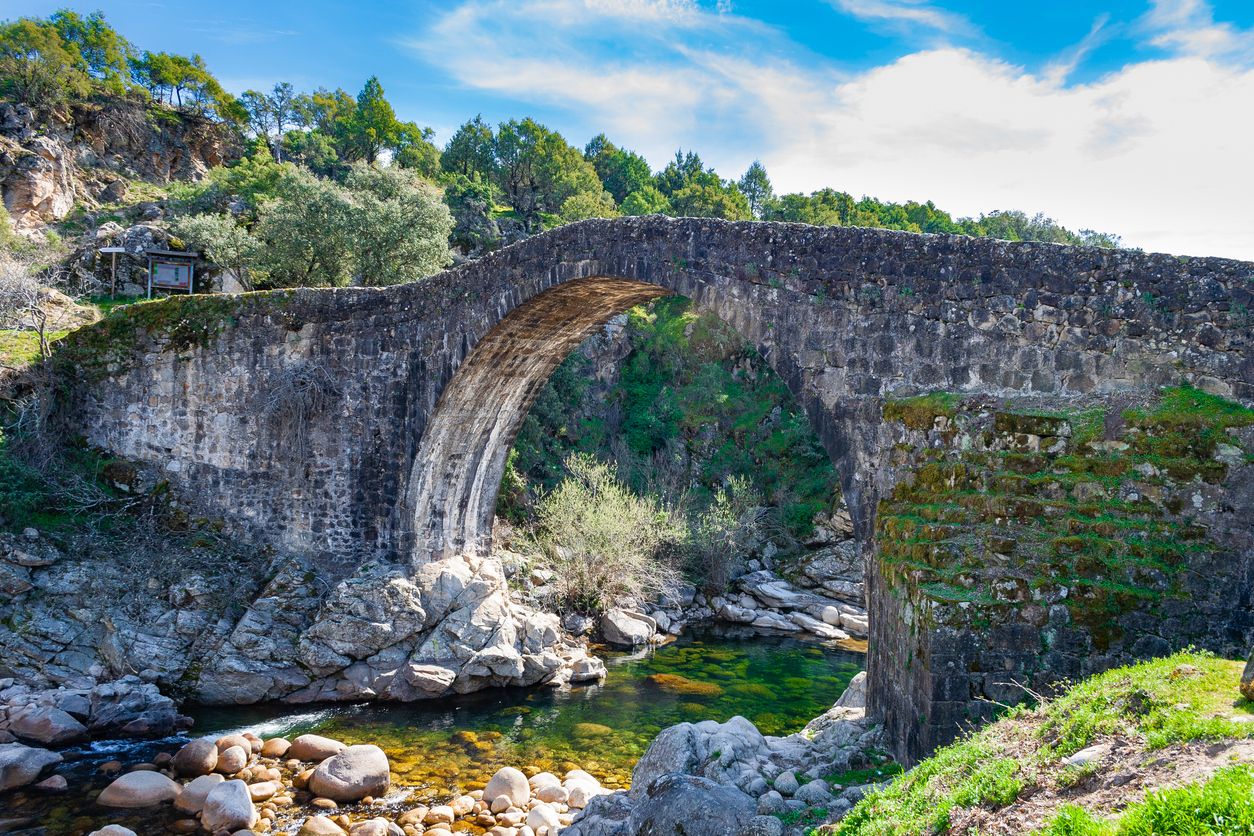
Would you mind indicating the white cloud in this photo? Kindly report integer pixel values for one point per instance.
(911, 12)
(1156, 152)
(1188, 27)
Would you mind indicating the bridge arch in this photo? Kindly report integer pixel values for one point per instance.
(427, 381)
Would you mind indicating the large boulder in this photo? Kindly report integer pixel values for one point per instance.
(21, 765)
(511, 783)
(199, 757)
(192, 798)
(353, 774)
(685, 805)
(314, 747)
(627, 629)
(228, 806)
(139, 789)
(1247, 679)
(45, 724)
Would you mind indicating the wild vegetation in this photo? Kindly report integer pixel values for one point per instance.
(1015, 772)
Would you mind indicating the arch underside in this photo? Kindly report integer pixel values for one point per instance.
(458, 468)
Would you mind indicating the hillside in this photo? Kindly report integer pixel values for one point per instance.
(1165, 746)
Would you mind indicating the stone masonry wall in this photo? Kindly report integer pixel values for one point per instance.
(203, 389)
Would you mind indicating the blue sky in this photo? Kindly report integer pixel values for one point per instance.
(1132, 116)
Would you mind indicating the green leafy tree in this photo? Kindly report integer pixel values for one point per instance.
(470, 201)
(401, 225)
(37, 66)
(222, 241)
(707, 200)
(103, 53)
(537, 170)
(307, 232)
(415, 150)
(697, 192)
(373, 125)
(757, 189)
(590, 204)
(646, 200)
(471, 151)
(314, 150)
(621, 171)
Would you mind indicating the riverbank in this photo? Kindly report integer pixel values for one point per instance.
(440, 750)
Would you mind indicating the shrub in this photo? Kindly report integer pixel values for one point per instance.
(601, 541)
(724, 532)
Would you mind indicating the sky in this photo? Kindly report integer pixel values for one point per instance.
(1128, 116)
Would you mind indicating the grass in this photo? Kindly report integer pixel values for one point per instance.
(21, 348)
(870, 775)
(1180, 698)
(1224, 804)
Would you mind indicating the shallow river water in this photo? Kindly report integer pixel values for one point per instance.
(441, 747)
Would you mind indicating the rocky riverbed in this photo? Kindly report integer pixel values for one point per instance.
(707, 777)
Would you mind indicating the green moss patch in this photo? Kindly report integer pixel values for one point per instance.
(1040, 507)
(921, 412)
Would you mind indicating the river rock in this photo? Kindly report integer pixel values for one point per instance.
(231, 760)
(112, 830)
(21, 765)
(314, 747)
(139, 789)
(199, 757)
(276, 747)
(263, 790)
(52, 784)
(228, 807)
(192, 799)
(45, 724)
(226, 741)
(627, 629)
(1247, 679)
(542, 815)
(320, 826)
(511, 783)
(353, 774)
(692, 806)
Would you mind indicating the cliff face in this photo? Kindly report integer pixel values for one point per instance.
(87, 155)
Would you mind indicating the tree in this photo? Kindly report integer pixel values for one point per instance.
(709, 200)
(307, 232)
(646, 201)
(756, 187)
(373, 125)
(470, 151)
(538, 170)
(37, 67)
(622, 172)
(223, 242)
(415, 150)
(103, 53)
(23, 294)
(401, 226)
(590, 204)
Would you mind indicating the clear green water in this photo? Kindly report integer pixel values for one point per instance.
(442, 747)
(779, 683)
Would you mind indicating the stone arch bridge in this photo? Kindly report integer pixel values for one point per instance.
(373, 424)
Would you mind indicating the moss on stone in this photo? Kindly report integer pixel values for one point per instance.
(921, 412)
